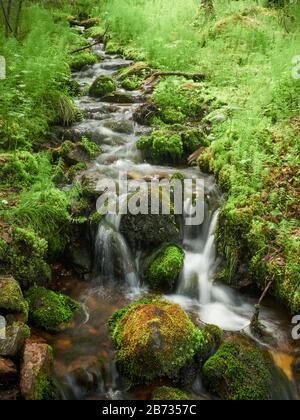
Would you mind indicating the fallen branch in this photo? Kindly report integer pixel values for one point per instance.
(91, 45)
(197, 77)
(255, 325)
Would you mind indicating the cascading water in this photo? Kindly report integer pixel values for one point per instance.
(78, 351)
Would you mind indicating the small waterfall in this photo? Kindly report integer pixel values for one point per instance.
(113, 258)
(200, 263)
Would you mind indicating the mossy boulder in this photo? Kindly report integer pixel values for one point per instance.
(50, 310)
(163, 267)
(23, 255)
(89, 23)
(166, 393)
(193, 139)
(81, 59)
(161, 147)
(239, 371)
(154, 339)
(11, 299)
(103, 86)
(147, 231)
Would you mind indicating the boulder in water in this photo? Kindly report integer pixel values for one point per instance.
(50, 310)
(8, 372)
(103, 86)
(153, 339)
(163, 267)
(166, 393)
(239, 371)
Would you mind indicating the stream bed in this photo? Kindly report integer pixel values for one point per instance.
(84, 356)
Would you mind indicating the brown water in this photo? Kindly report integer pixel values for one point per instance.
(84, 356)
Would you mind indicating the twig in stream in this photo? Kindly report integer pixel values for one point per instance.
(255, 325)
(197, 77)
(91, 45)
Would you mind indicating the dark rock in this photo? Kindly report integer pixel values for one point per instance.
(16, 334)
(8, 373)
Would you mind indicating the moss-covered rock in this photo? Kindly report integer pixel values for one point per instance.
(96, 32)
(80, 152)
(24, 255)
(239, 371)
(154, 339)
(162, 147)
(103, 86)
(148, 231)
(16, 334)
(89, 23)
(50, 310)
(82, 59)
(193, 139)
(11, 298)
(36, 372)
(163, 267)
(166, 393)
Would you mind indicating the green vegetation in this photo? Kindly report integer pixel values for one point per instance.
(50, 310)
(162, 268)
(153, 339)
(166, 393)
(102, 86)
(11, 298)
(239, 371)
(251, 105)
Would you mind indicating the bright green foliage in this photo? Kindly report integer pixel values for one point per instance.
(11, 298)
(154, 339)
(91, 148)
(166, 393)
(50, 310)
(23, 255)
(82, 59)
(163, 267)
(162, 147)
(102, 86)
(239, 372)
(95, 32)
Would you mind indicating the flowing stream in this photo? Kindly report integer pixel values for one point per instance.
(84, 356)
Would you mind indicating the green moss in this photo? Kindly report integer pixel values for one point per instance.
(166, 393)
(193, 139)
(50, 310)
(133, 76)
(91, 148)
(131, 83)
(163, 267)
(82, 59)
(24, 258)
(113, 47)
(95, 32)
(162, 147)
(102, 86)
(90, 22)
(154, 339)
(11, 298)
(239, 371)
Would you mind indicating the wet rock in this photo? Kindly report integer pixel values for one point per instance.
(166, 393)
(154, 339)
(10, 394)
(163, 267)
(239, 371)
(148, 231)
(145, 114)
(11, 298)
(16, 334)
(50, 310)
(102, 86)
(36, 369)
(121, 98)
(124, 126)
(8, 373)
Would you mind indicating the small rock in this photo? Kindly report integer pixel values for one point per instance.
(8, 372)
(11, 298)
(36, 367)
(12, 345)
